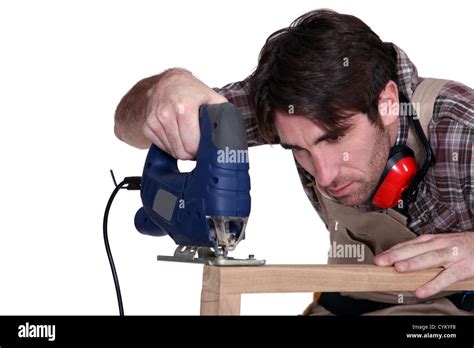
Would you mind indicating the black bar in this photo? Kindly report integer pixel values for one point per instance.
(138, 330)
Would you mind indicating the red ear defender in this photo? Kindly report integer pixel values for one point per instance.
(398, 174)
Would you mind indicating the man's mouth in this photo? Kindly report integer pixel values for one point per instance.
(341, 190)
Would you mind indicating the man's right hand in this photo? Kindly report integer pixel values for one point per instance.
(172, 112)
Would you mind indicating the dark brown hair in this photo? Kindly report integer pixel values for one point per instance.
(326, 66)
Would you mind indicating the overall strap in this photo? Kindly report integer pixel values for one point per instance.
(423, 101)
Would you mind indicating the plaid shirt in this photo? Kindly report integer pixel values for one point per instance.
(445, 198)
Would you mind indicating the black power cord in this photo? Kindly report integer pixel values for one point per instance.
(129, 183)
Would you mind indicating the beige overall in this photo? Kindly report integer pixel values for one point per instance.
(378, 231)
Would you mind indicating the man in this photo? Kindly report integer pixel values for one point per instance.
(330, 90)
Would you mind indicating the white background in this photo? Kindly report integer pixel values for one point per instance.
(64, 65)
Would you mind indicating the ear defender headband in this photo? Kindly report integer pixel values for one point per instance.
(400, 178)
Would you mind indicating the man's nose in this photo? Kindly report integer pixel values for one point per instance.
(326, 168)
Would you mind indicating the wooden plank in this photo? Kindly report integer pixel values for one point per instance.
(214, 301)
(216, 304)
(222, 281)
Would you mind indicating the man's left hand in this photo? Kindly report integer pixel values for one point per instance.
(452, 251)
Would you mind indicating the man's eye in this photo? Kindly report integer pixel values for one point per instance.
(335, 139)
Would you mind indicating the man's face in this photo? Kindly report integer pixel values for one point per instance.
(348, 167)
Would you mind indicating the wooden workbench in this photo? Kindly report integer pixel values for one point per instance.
(222, 287)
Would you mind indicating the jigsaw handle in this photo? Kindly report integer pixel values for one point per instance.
(219, 185)
(223, 141)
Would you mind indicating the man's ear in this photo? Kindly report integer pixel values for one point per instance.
(389, 105)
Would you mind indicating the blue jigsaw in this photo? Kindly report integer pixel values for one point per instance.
(204, 211)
